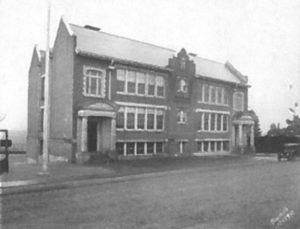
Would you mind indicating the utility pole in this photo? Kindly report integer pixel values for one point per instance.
(46, 120)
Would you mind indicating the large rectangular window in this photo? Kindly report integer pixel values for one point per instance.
(160, 86)
(159, 147)
(141, 81)
(213, 95)
(150, 119)
(219, 120)
(141, 118)
(121, 118)
(131, 81)
(151, 84)
(159, 119)
(225, 122)
(140, 148)
(212, 122)
(94, 82)
(219, 95)
(130, 118)
(206, 120)
(121, 80)
(130, 146)
(150, 147)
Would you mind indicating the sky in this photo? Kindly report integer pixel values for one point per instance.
(261, 38)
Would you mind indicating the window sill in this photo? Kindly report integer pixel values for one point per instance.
(214, 104)
(140, 95)
(94, 96)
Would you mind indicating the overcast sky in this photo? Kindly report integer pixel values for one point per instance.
(261, 38)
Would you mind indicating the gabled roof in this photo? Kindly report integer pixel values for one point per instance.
(98, 43)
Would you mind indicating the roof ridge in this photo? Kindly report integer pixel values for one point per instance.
(127, 38)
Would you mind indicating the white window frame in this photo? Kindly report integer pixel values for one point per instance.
(214, 141)
(146, 109)
(145, 141)
(101, 78)
(158, 79)
(216, 113)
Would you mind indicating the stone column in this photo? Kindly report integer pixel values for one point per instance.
(240, 135)
(252, 135)
(84, 127)
(113, 134)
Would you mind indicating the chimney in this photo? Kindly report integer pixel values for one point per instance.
(92, 27)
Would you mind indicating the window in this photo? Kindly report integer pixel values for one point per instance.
(140, 148)
(94, 84)
(206, 120)
(141, 82)
(212, 122)
(219, 146)
(219, 118)
(151, 84)
(160, 86)
(205, 147)
(206, 93)
(131, 79)
(225, 122)
(121, 80)
(130, 118)
(225, 97)
(181, 117)
(130, 148)
(150, 119)
(120, 148)
(238, 101)
(200, 124)
(141, 118)
(159, 120)
(159, 147)
(150, 147)
(199, 146)
(213, 95)
(183, 87)
(121, 118)
(219, 95)
(212, 146)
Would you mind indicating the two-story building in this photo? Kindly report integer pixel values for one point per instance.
(113, 93)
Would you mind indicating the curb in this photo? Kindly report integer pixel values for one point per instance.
(29, 186)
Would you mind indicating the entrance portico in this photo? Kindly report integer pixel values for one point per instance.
(96, 129)
(243, 134)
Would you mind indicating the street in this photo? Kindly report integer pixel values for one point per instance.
(241, 196)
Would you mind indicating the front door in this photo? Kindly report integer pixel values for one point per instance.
(92, 135)
(99, 134)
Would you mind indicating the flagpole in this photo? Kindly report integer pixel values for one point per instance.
(46, 96)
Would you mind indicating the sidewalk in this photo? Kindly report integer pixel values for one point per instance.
(24, 177)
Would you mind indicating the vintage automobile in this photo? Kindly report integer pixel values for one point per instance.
(290, 151)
